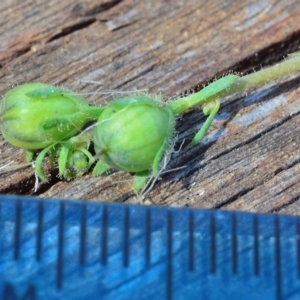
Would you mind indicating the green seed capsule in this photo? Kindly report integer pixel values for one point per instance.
(132, 131)
(36, 115)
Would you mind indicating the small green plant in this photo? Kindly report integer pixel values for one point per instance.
(131, 134)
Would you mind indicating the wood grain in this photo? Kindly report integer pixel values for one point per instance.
(250, 158)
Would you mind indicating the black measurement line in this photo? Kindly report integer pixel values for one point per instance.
(60, 250)
(39, 230)
(82, 237)
(234, 244)
(298, 246)
(104, 236)
(169, 267)
(213, 251)
(126, 232)
(256, 255)
(191, 254)
(148, 238)
(277, 258)
(17, 233)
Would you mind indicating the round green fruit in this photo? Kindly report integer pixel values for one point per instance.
(132, 131)
(35, 115)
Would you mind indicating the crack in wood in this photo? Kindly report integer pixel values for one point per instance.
(102, 7)
(73, 28)
(269, 55)
(263, 58)
(87, 19)
(246, 191)
(26, 185)
(285, 205)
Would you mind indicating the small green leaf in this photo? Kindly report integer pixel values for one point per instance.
(217, 86)
(140, 180)
(100, 168)
(29, 155)
(212, 113)
(47, 92)
(63, 158)
(56, 122)
(38, 164)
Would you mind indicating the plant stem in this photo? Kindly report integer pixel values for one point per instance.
(225, 88)
(93, 112)
(281, 69)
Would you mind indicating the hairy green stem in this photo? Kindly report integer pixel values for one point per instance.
(231, 84)
(263, 76)
(93, 112)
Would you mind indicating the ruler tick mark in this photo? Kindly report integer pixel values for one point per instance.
(277, 258)
(39, 230)
(104, 235)
(148, 238)
(60, 250)
(298, 246)
(82, 235)
(126, 228)
(169, 267)
(213, 252)
(256, 258)
(234, 244)
(17, 233)
(191, 242)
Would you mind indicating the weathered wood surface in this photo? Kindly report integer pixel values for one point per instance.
(250, 158)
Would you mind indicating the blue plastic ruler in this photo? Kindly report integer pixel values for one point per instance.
(54, 249)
